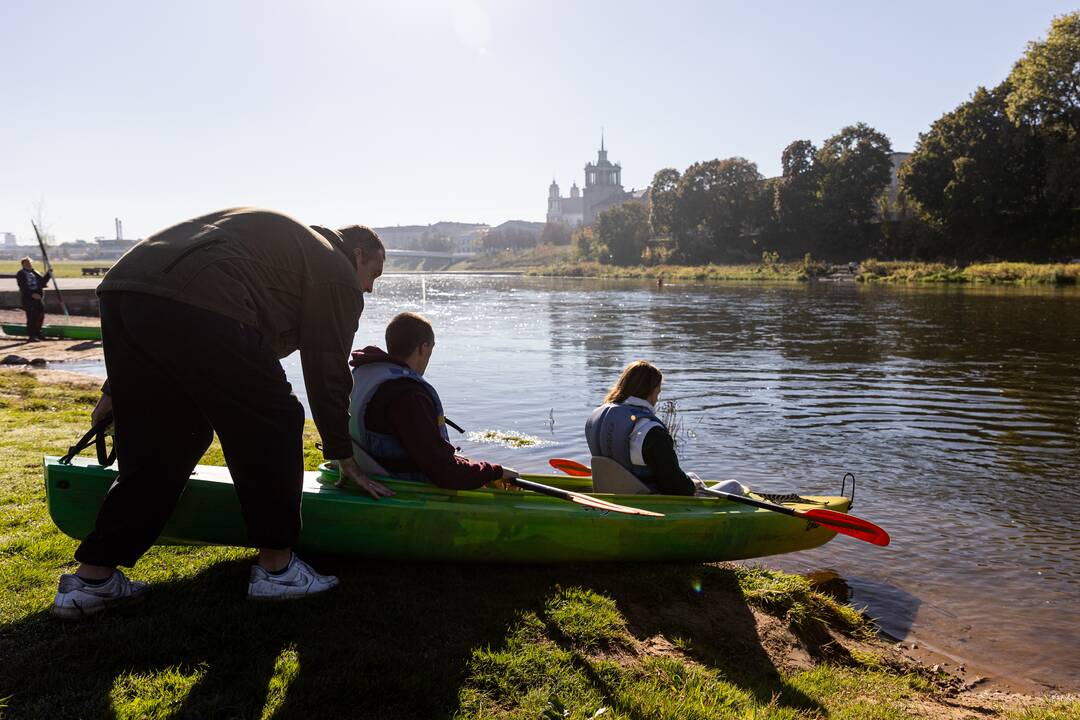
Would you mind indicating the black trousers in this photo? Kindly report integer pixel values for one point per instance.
(178, 373)
(35, 317)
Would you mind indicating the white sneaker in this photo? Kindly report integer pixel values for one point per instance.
(297, 581)
(76, 598)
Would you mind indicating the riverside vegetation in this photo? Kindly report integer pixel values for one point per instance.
(670, 641)
(563, 261)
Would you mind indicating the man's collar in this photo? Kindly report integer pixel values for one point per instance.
(333, 237)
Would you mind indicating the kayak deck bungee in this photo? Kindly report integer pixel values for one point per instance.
(69, 332)
(427, 523)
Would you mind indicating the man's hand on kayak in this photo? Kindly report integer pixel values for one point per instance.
(507, 474)
(352, 476)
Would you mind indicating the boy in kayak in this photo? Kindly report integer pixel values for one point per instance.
(396, 417)
(194, 320)
(627, 430)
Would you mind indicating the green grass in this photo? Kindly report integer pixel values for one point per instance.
(506, 438)
(409, 640)
(792, 598)
(1048, 710)
(61, 268)
(1014, 273)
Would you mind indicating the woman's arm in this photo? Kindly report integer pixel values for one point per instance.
(659, 453)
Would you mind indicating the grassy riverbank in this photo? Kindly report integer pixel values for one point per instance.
(641, 641)
(1000, 272)
(61, 268)
(558, 261)
(778, 272)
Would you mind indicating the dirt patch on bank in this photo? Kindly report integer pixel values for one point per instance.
(19, 351)
(50, 350)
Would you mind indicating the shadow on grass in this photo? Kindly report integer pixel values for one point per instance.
(393, 641)
(703, 607)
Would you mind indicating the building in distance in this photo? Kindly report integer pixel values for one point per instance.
(603, 190)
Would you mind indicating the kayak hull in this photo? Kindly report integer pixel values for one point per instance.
(69, 332)
(426, 523)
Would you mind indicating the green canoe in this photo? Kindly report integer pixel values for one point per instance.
(424, 522)
(70, 332)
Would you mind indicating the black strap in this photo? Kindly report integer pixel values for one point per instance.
(96, 435)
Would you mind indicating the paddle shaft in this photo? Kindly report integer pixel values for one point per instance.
(579, 498)
(755, 503)
(48, 266)
(541, 488)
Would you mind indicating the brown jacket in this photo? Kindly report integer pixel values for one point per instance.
(271, 272)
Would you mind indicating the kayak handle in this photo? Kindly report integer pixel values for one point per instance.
(843, 487)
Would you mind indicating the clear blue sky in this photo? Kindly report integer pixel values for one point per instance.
(413, 112)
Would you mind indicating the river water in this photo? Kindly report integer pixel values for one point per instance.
(957, 409)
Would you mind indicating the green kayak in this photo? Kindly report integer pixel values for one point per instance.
(70, 332)
(424, 522)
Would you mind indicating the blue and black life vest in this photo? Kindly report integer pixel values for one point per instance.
(382, 446)
(618, 430)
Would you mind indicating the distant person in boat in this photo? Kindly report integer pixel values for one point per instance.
(627, 430)
(194, 320)
(396, 416)
(32, 289)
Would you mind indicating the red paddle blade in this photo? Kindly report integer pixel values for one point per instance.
(847, 525)
(570, 467)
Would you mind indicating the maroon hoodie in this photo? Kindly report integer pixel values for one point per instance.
(403, 408)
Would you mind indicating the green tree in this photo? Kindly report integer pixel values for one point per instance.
(853, 168)
(555, 233)
(1046, 95)
(664, 194)
(1046, 80)
(796, 194)
(977, 177)
(587, 247)
(624, 230)
(509, 238)
(715, 202)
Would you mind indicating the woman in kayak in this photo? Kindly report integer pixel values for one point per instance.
(627, 430)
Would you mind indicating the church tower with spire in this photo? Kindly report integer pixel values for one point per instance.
(603, 190)
(603, 183)
(554, 212)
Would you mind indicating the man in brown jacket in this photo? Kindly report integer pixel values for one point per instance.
(194, 320)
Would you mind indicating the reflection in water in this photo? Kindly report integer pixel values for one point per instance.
(957, 408)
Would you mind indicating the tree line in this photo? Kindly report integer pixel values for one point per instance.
(998, 177)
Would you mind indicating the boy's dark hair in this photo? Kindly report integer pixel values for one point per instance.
(406, 332)
(362, 237)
